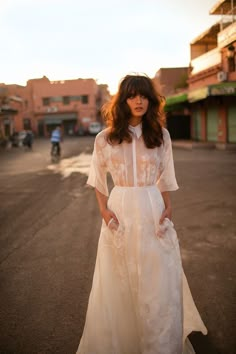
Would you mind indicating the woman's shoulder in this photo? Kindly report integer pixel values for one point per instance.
(101, 137)
(166, 134)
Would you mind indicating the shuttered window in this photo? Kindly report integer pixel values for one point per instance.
(212, 124)
(196, 124)
(232, 124)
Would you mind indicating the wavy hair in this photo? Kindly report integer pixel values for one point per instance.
(117, 113)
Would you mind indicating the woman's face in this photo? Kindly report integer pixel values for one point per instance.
(138, 105)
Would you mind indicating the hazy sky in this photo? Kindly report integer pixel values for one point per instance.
(103, 39)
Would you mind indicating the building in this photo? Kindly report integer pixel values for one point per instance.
(212, 80)
(210, 98)
(173, 84)
(172, 80)
(72, 104)
(10, 107)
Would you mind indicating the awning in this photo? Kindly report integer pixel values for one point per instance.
(59, 118)
(176, 102)
(52, 121)
(198, 94)
(176, 99)
(6, 110)
(223, 89)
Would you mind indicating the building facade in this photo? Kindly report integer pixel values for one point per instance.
(72, 104)
(10, 107)
(212, 79)
(172, 80)
(173, 84)
(210, 98)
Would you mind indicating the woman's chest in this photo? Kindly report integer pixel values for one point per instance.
(135, 154)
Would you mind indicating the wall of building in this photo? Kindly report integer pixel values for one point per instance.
(170, 80)
(212, 90)
(45, 103)
(11, 108)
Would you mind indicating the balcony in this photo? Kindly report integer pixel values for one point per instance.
(206, 61)
(227, 35)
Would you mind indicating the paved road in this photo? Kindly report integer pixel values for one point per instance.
(49, 228)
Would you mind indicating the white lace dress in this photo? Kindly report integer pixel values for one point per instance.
(140, 302)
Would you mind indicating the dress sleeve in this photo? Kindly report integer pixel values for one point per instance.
(167, 181)
(98, 171)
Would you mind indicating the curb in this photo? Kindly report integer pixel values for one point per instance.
(193, 145)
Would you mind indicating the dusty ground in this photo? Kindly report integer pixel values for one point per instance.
(49, 228)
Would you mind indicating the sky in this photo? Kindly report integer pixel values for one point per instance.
(100, 39)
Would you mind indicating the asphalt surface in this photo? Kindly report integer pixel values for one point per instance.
(49, 229)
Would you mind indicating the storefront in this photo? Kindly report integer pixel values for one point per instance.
(213, 113)
(67, 121)
(231, 123)
(178, 116)
(196, 124)
(7, 121)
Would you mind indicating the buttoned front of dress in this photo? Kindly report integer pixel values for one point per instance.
(132, 164)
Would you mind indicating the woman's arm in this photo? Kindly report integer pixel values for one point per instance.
(168, 211)
(106, 214)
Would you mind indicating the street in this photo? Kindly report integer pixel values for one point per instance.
(49, 230)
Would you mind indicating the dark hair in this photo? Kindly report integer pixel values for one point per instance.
(117, 112)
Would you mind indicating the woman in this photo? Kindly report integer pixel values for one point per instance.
(140, 302)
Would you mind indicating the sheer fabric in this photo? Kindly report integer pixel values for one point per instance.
(140, 302)
(132, 164)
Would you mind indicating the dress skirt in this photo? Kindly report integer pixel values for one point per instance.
(140, 302)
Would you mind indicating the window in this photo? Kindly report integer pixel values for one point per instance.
(46, 101)
(66, 100)
(84, 99)
(56, 99)
(75, 98)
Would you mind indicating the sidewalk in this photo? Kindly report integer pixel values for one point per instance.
(181, 144)
(191, 144)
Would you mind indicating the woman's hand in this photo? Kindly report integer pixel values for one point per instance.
(108, 215)
(166, 214)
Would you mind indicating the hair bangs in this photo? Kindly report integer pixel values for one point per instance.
(136, 85)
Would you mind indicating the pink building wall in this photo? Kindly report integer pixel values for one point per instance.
(43, 100)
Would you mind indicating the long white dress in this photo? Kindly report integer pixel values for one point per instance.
(140, 302)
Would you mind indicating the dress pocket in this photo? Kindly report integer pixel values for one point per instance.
(117, 232)
(167, 235)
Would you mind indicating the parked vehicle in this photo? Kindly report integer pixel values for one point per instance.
(17, 138)
(94, 128)
(21, 137)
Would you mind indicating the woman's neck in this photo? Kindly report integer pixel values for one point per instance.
(134, 121)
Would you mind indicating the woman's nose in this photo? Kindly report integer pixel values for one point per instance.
(138, 99)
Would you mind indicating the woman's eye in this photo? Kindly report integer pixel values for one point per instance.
(134, 96)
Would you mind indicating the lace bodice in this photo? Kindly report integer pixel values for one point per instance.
(132, 164)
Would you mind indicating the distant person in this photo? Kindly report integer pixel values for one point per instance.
(56, 139)
(14, 139)
(140, 301)
(28, 139)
